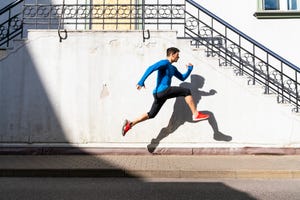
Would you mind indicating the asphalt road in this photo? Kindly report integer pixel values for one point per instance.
(138, 189)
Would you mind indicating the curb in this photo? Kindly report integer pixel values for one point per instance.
(144, 151)
(63, 173)
(119, 173)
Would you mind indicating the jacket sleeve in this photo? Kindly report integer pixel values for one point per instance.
(184, 76)
(150, 69)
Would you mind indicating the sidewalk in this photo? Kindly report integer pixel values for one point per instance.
(159, 166)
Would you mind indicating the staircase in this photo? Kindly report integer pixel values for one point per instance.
(192, 21)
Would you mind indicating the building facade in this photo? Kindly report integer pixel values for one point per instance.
(279, 31)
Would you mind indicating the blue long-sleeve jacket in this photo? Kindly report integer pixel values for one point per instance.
(165, 72)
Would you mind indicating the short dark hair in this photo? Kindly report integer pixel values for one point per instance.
(172, 50)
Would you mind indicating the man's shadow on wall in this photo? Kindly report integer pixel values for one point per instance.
(182, 113)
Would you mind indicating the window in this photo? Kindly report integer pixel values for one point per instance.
(292, 4)
(277, 9)
(271, 4)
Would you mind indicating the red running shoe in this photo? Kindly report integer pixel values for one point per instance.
(126, 127)
(200, 116)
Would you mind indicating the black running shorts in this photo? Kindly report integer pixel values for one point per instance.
(160, 98)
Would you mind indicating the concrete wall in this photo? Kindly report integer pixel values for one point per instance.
(79, 92)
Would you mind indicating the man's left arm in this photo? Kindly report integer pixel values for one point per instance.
(184, 76)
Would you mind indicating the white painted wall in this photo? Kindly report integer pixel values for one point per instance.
(279, 35)
(79, 92)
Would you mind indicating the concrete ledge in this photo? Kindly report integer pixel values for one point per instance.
(144, 151)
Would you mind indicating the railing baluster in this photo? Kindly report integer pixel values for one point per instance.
(297, 94)
(282, 84)
(8, 28)
(254, 64)
(240, 58)
(226, 46)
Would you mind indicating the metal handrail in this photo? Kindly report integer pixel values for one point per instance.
(10, 6)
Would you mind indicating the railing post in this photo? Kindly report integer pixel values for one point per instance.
(61, 19)
(226, 47)
(143, 23)
(22, 13)
(296, 90)
(254, 65)
(143, 15)
(241, 72)
(268, 76)
(8, 28)
(282, 84)
(184, 28)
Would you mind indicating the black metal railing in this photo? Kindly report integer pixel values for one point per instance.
(12, 26)
(191, 21)
(244, 54)
(105, 16)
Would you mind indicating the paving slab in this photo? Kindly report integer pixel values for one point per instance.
(151, 166)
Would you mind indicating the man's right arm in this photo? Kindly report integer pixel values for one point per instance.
(147, 73)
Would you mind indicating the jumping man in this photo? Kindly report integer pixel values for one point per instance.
(164, 90)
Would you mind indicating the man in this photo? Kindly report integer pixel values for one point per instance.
(164, 90)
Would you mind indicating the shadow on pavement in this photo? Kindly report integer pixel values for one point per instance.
(117, 189)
